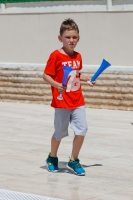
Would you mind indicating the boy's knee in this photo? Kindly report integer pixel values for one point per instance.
(59, 136)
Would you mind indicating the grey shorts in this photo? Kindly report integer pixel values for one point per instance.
(76, 118)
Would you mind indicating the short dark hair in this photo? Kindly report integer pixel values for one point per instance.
(68, 24)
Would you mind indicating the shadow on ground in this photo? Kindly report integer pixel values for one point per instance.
(64, 169)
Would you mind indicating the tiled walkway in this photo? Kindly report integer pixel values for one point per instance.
(107, 154)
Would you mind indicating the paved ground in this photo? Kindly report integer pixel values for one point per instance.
(107, 154)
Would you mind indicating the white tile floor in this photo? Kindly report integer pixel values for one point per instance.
(107, 154)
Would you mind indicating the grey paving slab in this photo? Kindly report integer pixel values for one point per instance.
(107, 154)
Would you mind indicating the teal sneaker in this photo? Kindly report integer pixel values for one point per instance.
(52, 164)
(76, 167)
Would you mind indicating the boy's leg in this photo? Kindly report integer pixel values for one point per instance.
(61, 122)
(54, 146)
(52, 160)
(74, 163)
(79, 126)
(77, 144)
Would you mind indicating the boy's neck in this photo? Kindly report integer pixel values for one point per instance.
(66, 52)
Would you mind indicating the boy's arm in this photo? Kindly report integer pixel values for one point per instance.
(85, 79)
(53, 83)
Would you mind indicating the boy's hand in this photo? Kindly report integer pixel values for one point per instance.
(91, 83)
(87, 79)
(61, 88)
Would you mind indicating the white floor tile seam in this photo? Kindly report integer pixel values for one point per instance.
(9, 179)
(21, 176)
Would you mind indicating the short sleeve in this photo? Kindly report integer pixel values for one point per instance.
(50, 66)
(81, 66)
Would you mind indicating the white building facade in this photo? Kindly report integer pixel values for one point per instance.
(29, 31)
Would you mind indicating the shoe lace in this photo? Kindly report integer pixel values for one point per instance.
(77, 164)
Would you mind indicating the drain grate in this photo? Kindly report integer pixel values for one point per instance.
(12, 195)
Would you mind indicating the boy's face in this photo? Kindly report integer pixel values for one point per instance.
(69, 39)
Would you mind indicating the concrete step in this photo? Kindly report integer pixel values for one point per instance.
(113, 89)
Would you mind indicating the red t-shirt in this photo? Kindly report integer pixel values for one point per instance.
(72, 97)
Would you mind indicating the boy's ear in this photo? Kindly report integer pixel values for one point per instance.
(79, 38)
(59, 38)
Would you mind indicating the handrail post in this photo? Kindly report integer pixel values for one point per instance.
(109, 5)
(3, 8)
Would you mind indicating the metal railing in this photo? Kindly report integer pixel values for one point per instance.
(19, 1)
(4, 2)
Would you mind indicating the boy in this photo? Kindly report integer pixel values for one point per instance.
(72, 108)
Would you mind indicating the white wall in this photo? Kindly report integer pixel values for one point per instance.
(30, 38)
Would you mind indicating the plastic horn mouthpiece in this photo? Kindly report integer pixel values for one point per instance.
(66, 70)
